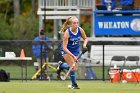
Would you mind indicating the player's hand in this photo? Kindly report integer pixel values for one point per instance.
(84, 49)
(75, 58)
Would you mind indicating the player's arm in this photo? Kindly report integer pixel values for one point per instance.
(84, 37)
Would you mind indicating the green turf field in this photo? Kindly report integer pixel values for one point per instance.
(61, 87)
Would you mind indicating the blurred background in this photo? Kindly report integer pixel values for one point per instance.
(20, 19)
(23, 19)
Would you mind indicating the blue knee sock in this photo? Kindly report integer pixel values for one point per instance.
(65, 66)
(73, 77)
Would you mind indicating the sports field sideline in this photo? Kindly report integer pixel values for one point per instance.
(61, 87)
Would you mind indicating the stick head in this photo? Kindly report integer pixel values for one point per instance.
(63, 78)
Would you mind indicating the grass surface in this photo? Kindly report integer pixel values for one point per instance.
(15, 72)
(61, 87)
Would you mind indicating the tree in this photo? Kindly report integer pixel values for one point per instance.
(16, 4)
(26, 27)
(33, 7)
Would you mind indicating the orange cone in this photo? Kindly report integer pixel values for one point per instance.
(22, 54)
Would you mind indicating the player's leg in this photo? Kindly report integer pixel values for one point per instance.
(61, 66)
(70, 61)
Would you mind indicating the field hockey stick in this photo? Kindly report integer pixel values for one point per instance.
(74, 63)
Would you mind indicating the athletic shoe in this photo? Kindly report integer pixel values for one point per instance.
(75, 86)
(59, 64)
(59, 69)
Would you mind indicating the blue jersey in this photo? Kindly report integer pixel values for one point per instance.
(126, 2)
(74, 42)
(36, 48)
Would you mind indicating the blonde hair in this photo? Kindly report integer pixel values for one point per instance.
(66, 24)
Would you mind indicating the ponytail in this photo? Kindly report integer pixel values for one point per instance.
(65, 25)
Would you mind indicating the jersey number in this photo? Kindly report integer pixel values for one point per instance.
(74, 43)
